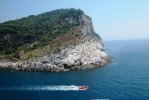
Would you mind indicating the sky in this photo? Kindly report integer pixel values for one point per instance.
(112, 19)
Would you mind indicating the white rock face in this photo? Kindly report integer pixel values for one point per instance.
(86, 52)
(82, 56)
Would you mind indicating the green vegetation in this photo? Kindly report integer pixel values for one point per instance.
(36, 35)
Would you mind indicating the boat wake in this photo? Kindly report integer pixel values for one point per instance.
(43, 88)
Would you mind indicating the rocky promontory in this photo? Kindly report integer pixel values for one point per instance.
(69, 44)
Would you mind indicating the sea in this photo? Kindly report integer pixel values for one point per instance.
(125, 78)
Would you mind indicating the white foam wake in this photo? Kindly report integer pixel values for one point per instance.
(44, 88)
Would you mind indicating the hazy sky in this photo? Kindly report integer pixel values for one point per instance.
(112, 19)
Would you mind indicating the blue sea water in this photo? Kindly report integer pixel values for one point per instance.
(125, 78)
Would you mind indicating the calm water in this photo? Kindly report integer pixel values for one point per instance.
(126, 78)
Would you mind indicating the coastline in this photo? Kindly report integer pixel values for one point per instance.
(32, 67)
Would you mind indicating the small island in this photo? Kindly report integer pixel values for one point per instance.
(55, 41)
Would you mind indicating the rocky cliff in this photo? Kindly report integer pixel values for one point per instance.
(80, 48)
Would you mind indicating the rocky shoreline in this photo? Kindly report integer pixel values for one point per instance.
(40, 67)
(84, 56)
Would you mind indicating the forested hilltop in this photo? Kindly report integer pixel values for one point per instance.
(38, 33)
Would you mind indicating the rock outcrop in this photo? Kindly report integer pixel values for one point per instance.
(85, 52)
